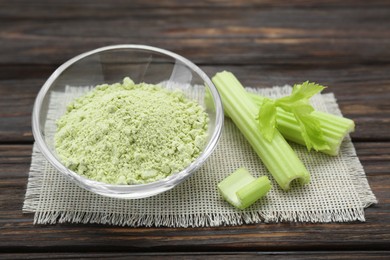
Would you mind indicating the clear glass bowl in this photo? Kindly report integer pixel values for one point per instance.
(109, 65)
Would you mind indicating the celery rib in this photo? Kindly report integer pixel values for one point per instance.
(241, 189)
(278, 156)
(334, 128)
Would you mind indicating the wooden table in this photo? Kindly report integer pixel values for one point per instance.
(342, 44)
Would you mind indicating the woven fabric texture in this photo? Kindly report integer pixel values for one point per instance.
(338, 191)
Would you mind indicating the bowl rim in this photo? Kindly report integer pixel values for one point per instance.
(135, 190)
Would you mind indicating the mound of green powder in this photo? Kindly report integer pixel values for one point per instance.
(130, 133)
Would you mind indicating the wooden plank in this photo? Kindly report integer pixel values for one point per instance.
(16, 104)
(18, 233)
(329, 255)
(362, 92)
(350, 4)
(246, 35)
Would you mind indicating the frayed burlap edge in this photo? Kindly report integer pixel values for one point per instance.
(356, 171)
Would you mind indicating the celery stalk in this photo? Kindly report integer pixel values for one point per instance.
(253, 191)
(277, 155)
(334, 128)
(241, 189)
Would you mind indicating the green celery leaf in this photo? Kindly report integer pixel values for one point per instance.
(311, 127)
(267, 119)
(306, 90)
(298, 104)
(301, 92)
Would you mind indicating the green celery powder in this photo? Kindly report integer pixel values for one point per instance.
(130, 133)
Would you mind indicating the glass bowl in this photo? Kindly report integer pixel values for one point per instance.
(109, 65)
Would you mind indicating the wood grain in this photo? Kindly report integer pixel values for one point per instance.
(342, 44)
(349, 84)
(205, 255)
(240, 35)
(18, 232)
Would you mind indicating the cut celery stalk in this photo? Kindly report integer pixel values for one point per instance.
(334, 128)
(253, 191)
(234, 182)
(277, 155)
(241, 189)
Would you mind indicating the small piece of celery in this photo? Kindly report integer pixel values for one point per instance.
(277, 155)
(253, 191)
(241, 189)
(334, 128)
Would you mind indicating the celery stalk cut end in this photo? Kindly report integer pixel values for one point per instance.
(241, 189)
(303, 179)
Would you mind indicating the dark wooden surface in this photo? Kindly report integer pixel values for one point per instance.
(342, 44)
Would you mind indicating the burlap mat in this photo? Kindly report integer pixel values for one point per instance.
(338, 191)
